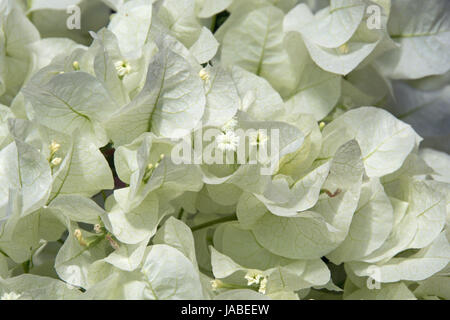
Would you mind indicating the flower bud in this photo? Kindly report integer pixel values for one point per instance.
(76, 65)
(123, 68)
(56, 162)
(98, 228)
(54, 147)
(253, 277)
(204, 75)
(216, 284)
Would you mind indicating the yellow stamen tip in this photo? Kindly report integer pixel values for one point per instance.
(344, 49)
(56, 161)
(54, 147)
(203, 74)
(216, 284)
(322, 125)
(76, 65)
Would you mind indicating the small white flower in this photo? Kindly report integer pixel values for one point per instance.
(322, 125)
(76, 65)
(123, 68)
(228, 141)
(253, 277)
(54, 147)
(216, 284)
(77, 233)
(98, 228)
(10, 296)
